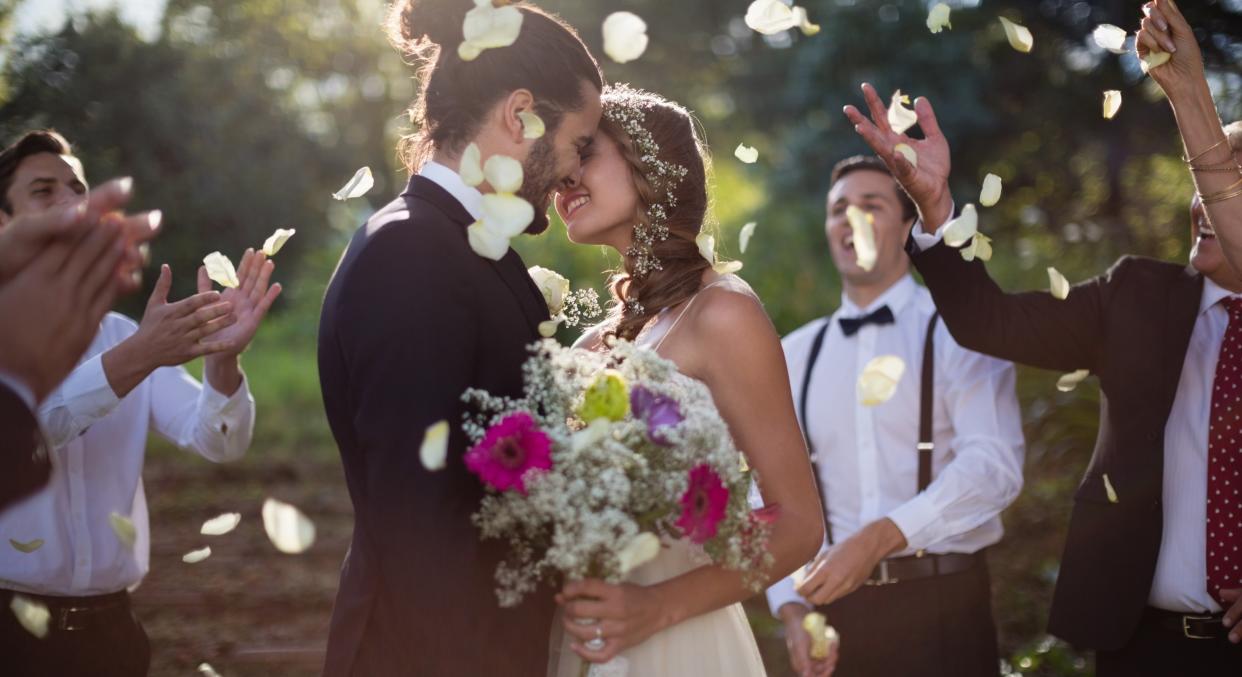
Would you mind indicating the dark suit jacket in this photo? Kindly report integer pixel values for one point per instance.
(25, 467)
(411, 319)
(1130, 327)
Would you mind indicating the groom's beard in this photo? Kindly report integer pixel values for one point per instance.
(540, 181)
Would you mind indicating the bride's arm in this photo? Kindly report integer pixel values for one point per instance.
(732, 346)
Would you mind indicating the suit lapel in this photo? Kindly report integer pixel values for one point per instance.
(510, 269)
(1181, 313)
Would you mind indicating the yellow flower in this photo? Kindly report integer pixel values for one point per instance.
(607, 397)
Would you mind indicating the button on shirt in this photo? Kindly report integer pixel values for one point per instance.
(868, 456)
(98, 443)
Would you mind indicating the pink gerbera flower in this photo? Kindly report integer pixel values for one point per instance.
(509, 450)
(703, 504)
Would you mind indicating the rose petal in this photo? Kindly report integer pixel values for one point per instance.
(822, 635)
(220, 524)
(746, 153)
(553, 286)
(1109, 490)
(727, 267)
(196, 556)
(1112, 103)
(959, 231)
(707, 247)
(507, 214)
(547, 328)
(879, 380)
(27, 547)
(991, 192)
(503, 173)
(1019, 36)
(863, 225)
(1057, 283)
(488, 27)
(911, 156)
(220, 269)
(357, 186)
(596, 430)
(1071, 380)
(434, 449)
(471, 169)
(1154, 59)
(124, 529)
(532, 125)
(804, 22)
(277, 240)
(32, 614)
(938, 18)
(287, 528)
(743, 236)
(486, 242)
(770, 17)
(901, 118)
(980, 247)
(625, 36)
(206, 670)
(641, 549)
(1110, 37)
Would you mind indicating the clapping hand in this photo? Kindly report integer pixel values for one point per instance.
(249, 300)
(928, 182)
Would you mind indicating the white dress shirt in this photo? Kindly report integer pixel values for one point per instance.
(450, 181)
(99, 442)
(868, 456)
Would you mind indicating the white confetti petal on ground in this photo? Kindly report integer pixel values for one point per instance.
(220, 524)
(1154, 59)
(503, 173)
(277, 240)
(220, 269)
(32, 614)
(288, 529)
(1110, 37)
(990, 194)
(1019, 36)
(641, 549)
(1069, 381)
(959, 231)
(434, 449)
(863, 226)
(488, 27)
(27, 547)
(744, 235)
(1058, 285)
(532, 125)
(879, 380)
(1109, 490)
(196, 556)
(901, 118)
(746, 153)
(123, 527)
(980, 247)
(357, 186)
(206, 670)
(1112, 103)
(908, 153)
(938, 18)
(625, 36)
(770, 17)
(471, 166)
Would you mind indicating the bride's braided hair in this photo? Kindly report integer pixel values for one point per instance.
(664, 267)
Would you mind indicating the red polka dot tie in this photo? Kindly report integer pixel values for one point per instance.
(1224, 488)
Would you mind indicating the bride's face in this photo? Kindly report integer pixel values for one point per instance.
(599, 208)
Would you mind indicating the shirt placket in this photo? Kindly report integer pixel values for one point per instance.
(79, 531)
(864, 428)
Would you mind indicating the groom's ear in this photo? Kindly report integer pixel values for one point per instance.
(518, 101)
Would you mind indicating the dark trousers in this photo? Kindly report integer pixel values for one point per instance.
(1155, 650)
(929, 627)
(106, 641)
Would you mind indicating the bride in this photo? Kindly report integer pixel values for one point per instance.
(642, 190)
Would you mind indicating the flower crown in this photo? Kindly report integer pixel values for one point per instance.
(627, 108)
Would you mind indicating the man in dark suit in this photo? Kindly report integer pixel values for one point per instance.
(1142, 581)
(412, 318)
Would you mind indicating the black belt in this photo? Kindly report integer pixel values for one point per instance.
(1188, 626)
(915, 567)
(76, 613)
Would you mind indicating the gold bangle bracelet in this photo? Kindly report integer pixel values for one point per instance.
(1226, 189)
(1220, 198)
(1220, 168)
(1210, 148)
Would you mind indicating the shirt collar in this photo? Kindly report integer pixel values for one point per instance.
(895, 297)
(469, 197)
(1212, 295)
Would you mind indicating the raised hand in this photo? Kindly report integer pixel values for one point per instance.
(1164, 29)
(927, 183)
(250, 301)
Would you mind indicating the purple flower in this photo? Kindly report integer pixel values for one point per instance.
(657, 411)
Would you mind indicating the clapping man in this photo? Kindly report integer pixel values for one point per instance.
(129, 380)
(913, 487)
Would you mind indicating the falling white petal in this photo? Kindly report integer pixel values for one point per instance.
(1110, 37)
(879, 379)
(1112, 103)
(707, 246)
(804, 22)
(532, 125)
(938, 18)
(1109, 490)
(746, 153)
(1019, 36)
(1057, 283)
(27, 547)
(1071, 380)
(547, 328)
(434, 449)
(901, 118)
(503, 173)
(625, 36)
(726, 267)
(196, 556)
(357, 186)
(220, 524)
(959, 231)
(488, 27)
(220, 269)
(980, 247)
(277, 240)
(471, 169)
(32, 614)
(287, 528)
(641, 549)
(743, 236)
(507, 214)
(770, 17)
(863, 225)
(908, 153)
(487, 242)
(123, 527)
(991, 192)
(206, 670)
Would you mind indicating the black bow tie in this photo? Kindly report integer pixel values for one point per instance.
(851, 325)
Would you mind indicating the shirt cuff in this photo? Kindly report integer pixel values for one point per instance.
(87, 394)
(912, 518)
(924, 240)
(230, 408)
(782, 593)
(20, 389)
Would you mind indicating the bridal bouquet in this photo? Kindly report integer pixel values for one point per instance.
(602, 457)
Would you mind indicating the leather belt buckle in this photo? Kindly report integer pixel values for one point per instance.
(1190, 634)
(884, 578)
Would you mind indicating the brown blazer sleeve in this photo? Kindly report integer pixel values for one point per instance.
(24, 465)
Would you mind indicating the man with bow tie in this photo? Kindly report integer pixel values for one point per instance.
(912, 487)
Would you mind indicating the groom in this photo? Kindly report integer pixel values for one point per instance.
(411, 319)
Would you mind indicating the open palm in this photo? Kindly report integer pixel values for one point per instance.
(928, 181)
(250, 299)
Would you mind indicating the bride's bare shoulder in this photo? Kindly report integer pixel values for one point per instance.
(592, 339)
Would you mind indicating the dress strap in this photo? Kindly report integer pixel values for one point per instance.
(683, 313)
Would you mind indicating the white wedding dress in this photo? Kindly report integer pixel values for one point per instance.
(719, 643)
